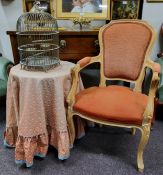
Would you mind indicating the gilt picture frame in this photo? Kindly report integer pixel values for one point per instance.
(66, 9)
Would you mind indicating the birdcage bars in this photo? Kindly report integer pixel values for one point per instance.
(38, 41)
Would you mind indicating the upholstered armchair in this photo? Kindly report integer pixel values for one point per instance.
(5, 66)
(159, 97)
(124, 55)
(160, 88)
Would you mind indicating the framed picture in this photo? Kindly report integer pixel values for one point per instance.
(45, 5)
(154, 0)
(125, 9)
(96, 9)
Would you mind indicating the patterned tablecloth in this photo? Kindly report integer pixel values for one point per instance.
(36, 112)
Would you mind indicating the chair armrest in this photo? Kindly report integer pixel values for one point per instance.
(5, 66)
(75, 76)
(154, 84)
(154, 66)
(88, 60)
(148, 114)
(75, 79)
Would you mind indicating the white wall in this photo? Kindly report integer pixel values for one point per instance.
(11, 10)
(152, 12)
(9, 13)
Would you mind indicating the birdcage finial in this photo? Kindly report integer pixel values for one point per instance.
(36, 7)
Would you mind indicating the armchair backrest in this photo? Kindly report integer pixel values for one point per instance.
(124, 48)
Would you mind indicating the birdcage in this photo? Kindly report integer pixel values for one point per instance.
(38, 41)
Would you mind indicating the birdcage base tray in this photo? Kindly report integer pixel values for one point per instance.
(39, 64)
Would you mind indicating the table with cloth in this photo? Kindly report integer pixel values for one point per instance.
(36, 112)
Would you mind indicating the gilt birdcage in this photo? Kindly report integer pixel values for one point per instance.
(38, 41)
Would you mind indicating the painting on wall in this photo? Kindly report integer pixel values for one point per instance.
(125, 9)
(96, 9)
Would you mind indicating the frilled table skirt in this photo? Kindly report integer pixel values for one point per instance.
(36, 113)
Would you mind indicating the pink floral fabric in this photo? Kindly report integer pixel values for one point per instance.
(36, 113)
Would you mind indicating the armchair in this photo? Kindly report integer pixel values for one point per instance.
(5, 66)
(124, 55)
(160, 88)
(159, 97)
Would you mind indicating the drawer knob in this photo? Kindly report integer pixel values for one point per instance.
(62, 44)
(96, 43)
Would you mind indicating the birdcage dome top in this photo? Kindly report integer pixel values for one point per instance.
(36, 21)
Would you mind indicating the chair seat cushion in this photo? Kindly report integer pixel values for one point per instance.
(112, 103)
(3, 87)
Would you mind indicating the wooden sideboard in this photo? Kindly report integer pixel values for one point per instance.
(74, 45)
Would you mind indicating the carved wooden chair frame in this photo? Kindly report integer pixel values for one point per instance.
(148, 114)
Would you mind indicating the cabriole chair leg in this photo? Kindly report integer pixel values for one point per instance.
(145, 132)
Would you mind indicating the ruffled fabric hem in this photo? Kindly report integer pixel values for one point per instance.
(10, 136)
(28, 147)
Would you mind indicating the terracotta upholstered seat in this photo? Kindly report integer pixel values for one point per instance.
(111, 106)
(124, 55)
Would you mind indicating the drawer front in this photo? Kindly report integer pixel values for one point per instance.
(77, 47)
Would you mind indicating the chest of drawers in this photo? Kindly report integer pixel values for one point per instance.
(74, 45)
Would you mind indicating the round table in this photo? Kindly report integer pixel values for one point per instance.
(36, 112)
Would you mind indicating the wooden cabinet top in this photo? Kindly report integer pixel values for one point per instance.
(66, 32)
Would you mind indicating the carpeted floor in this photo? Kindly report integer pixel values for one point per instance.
(103, 151)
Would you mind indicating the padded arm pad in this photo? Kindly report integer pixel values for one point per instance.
(83, 62)
(88, 60)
